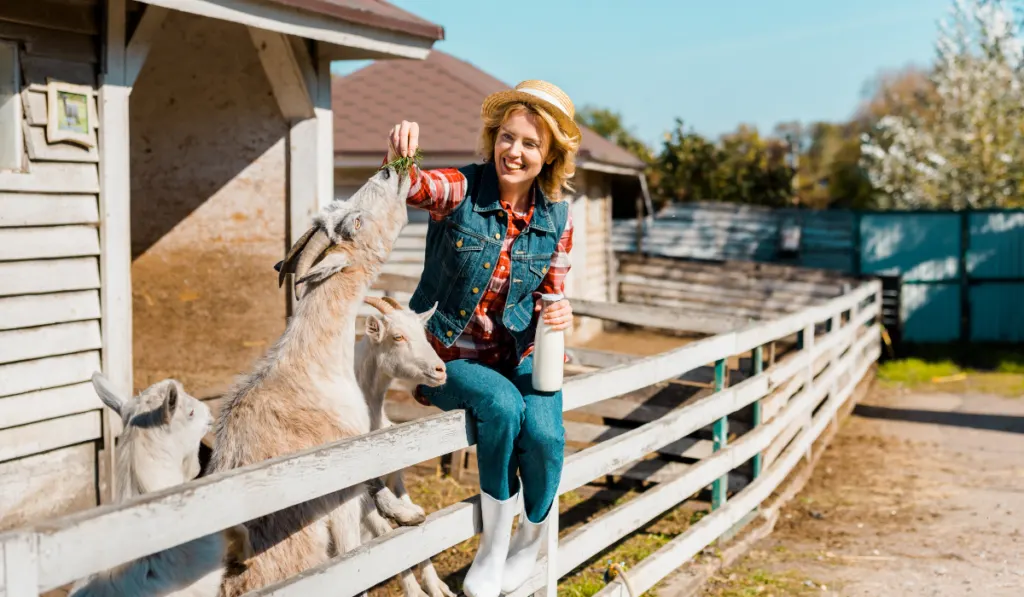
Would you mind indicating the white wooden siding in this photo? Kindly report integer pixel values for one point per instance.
(50, 339)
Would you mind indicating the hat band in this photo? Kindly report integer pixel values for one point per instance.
(546, 97)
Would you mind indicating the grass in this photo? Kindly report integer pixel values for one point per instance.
(751, 582)
(958, 369)
(402, 164)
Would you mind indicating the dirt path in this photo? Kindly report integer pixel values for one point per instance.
(919, 494)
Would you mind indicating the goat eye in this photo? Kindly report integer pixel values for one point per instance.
(191, 412)
(399, 338)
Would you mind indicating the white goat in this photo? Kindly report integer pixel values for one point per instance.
(394, 346)
(304, 393)
(159, 448)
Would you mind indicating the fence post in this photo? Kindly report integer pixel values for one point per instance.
(807, 343)
(757, 366)
(550, 588)
(721, 437)
(20, 565)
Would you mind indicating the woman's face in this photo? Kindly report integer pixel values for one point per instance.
(520, 148)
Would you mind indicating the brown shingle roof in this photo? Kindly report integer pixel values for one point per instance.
(443, 94)
(373, 13)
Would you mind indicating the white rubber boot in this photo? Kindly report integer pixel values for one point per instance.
(523, 551)
(484, 576)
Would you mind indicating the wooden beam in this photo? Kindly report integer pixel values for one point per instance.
(654, 317)
(283, 19)
(115, 228)
(287, 71)
(324, 113)
(146, 33)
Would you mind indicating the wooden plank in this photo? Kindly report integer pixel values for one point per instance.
(42, 309)
(74, 17)
(48, 404)
(285, 73)
(17, 442)
(46, 485)
(50, 340)
(41, 150)
(211, 503)
(52, 177)
(31, 277)
(29, 209)
(37, 70)
(51, 372)
(48, 43)
(648, 316)
(358, 41)
(145, 35)
(21, 570)
(687, 447)
(48, 242)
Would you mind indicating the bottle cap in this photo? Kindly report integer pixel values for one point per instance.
(551, 298)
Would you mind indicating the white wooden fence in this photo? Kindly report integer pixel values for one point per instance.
(796, 397)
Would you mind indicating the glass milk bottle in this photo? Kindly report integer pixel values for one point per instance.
(548, 351)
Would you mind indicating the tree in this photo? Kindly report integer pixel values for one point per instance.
(743, 167)
(967, 149)
(609, 125)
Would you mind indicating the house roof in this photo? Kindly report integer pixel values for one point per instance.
(373, 13)
(443, 94)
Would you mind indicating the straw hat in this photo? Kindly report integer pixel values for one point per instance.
(540, 93)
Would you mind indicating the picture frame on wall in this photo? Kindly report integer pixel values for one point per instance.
(68, 114)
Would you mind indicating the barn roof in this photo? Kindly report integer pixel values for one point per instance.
(443, 94)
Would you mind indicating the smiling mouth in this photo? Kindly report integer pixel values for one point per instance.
(511, 167)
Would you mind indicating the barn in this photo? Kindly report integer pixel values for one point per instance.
(156, 159)
(443, 94)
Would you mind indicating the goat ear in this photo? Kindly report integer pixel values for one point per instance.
(287, 265)
(375, 328)
(108, 395)
(328, 266)
(170, 402)
(425, 316)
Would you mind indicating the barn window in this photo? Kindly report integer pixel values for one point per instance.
(10, 108)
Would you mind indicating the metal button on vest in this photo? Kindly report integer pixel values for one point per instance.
(487, 265)
(462, 312)
(449, 333)
(458, 243)
(476, 290)
(497, 235)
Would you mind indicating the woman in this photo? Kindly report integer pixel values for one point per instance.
(498, 238)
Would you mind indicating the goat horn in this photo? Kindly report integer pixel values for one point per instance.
(288, 264)
(313, 249)
(393, 302)
(380, 304)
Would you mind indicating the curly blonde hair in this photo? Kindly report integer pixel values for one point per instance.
(554, 176)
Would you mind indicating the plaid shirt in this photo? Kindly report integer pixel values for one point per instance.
(485, 339)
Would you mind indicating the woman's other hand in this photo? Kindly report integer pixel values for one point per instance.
(404, 140)
(558, 315)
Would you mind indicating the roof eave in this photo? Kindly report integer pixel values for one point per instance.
(342, 39)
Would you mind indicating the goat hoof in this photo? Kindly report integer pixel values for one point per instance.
(408, 515)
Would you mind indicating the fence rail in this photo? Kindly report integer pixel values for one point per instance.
(45, 556)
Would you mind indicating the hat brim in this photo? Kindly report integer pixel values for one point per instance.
(500, 99)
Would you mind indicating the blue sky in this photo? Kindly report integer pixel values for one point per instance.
(713, 64)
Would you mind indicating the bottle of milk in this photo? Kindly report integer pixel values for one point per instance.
(548, 351)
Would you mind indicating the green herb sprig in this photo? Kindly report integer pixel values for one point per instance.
(402, 164)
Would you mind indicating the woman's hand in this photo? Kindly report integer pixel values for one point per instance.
(404, 140)
(558, 315)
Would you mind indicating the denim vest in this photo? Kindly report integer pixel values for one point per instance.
(463, 248)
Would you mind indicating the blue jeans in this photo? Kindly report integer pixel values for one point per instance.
(517, 429)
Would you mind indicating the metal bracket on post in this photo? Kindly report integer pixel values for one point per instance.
(721, 438)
